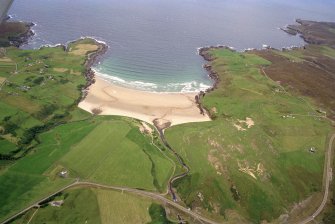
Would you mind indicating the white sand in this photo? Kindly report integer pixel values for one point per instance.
(111, 99)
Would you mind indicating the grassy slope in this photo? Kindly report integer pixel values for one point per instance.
(25, 182)
(22, 110)
(110, 155)
(98, 206)
(216, 151)
(309, 71)
(94, 149)
(30, 98)
(116, 207)
(81, 206)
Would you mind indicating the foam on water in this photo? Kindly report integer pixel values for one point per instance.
(185, 87)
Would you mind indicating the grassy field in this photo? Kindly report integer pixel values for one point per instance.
(29, 91)
(96, 149)
(80, 206)
(83, 205)
(254, 157)
(31, 104)
(117, 153)
(116, 207)
(25, 181)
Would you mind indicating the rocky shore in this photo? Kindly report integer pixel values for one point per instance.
(204, 52)
(24, 37)
(92, 58)
(313, 32)
(13, 33)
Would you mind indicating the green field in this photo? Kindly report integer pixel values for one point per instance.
(30, 88)
(100, 149)
(116, 153)
(258, 170)
(116, 207)
(82, 205)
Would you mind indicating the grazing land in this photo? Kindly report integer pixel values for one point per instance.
(30, 93)
(117, 153)
(123, 164)
(84, 205)
(115, 207)
(80, 206)
(256, 157)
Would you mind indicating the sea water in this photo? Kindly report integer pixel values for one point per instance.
(153, 43)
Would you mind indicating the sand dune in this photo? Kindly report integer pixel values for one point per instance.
(111, 99)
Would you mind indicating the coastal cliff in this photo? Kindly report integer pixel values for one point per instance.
(13, 33)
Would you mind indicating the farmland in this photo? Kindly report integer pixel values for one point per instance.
(30, 98)
(40, 169)
(97, 206)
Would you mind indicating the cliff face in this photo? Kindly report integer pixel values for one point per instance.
(4, 7)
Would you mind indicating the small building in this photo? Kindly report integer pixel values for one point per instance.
(56, 203)
(64, 173)
(312, 150)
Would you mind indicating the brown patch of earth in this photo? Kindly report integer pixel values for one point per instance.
(83, 49)
(248, 122)
(313, 78)
(60, 70)
(2, 80)
(5, 59)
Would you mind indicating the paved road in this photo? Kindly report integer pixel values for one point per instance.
(153, 196)
(35, 205)
(327, 178)
(123, 189)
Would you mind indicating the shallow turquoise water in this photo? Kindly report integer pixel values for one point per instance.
(153, 43)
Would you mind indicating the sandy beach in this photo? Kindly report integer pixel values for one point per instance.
(111, 99)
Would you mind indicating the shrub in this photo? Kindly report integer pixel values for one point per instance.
(38, 80)
(46, 111)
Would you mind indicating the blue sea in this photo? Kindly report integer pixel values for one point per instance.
(153, 43)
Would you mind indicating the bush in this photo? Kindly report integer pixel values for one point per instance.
(9, 127)
(31, 133)
(38, 80)
(96, 111)
(158, 214)
(46, 111)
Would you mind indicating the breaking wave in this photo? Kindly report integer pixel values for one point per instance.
(184, 87)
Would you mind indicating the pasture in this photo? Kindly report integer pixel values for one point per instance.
(80, 206)
(100, 149)
(116, 153)
(30, 90)
(85, 205)
(254, 157)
